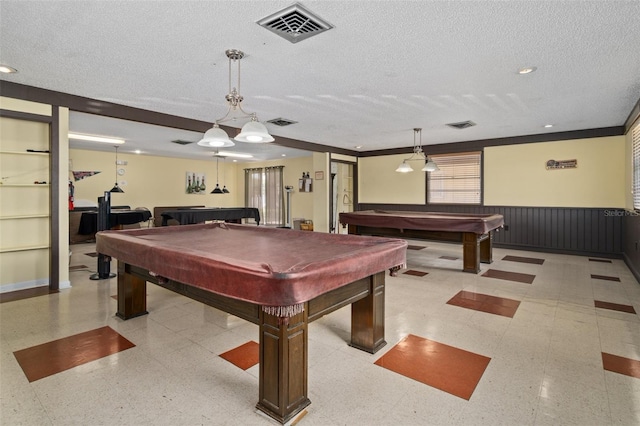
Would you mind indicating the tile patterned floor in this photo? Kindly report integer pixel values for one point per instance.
(605, 277)
(533, 260)
(509, 276)
(415, 273)
(614, 306)
(485, 303)
(569, 354)
(63, 354)
(244, 356)
(444, 367)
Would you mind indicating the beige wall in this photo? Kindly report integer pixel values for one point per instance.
(515, 175)
(378, 181)
(151, 181)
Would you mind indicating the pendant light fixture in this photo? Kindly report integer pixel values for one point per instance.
(217, 189)
(116, 188)
(418, 155)
(252, 132)
(224, 176)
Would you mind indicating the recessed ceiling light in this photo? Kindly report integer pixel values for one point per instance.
(527, 70)
(7, 69)
(548, 125)
(93, 138)
(358, 146)
(137, 151)
(284, 155)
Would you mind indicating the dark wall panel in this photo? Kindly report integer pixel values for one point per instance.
(582, 231)
(631, 242)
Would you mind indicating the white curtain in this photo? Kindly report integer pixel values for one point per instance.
(274, 196)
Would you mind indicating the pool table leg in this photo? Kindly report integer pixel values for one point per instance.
(367, 317)
(283, 365)
(132, 294)
(470, 252)
(486, 249)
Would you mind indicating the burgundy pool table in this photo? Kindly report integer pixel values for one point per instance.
(474, 231)
(280, 279)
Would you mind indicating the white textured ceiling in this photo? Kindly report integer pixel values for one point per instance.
(386, 67)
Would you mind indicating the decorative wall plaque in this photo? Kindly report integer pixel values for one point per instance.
(562, 164)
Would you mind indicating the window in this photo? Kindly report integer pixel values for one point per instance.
(264, 190)
(635, 148)
(457, 182)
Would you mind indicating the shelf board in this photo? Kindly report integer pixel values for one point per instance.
(25, 248)
(25, 216)
(44, 185)
(24, 153)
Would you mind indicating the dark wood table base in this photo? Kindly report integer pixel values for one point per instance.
(283, 340)
(476, 248)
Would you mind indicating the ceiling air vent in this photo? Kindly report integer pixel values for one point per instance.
(462, 124)
(295, 23)
(181, 142)
(281, 122)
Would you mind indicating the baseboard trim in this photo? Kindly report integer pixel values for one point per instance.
(25, 285)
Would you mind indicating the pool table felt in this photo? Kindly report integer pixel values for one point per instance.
(266, 266)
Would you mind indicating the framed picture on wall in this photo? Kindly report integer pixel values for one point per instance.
(195, 183)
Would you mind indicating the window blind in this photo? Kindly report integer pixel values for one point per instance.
(635, 143)
(457, 182)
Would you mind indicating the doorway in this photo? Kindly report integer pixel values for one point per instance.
(342, 194)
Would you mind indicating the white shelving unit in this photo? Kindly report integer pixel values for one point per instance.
(25, 217)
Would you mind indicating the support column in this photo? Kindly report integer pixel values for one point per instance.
(283, 365)
(367, 317)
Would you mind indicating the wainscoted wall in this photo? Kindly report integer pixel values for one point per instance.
(581, 231)
(631, 243)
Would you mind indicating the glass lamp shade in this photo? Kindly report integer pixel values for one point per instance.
(404, 167)
(430, 166)
(216, 137)
(217, 190)
(254, 132)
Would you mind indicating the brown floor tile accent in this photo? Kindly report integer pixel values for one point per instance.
(410, 247)
(621, 365)
(614, 307)
(449, 257)
(600, 260)
(244, 356)
(51, 358)
(485, 303)
(415, 273)
(532, 260)
(11, 296)
(92, 254)
(605, 277)
(115, 296)
(509, 276)
(443, 367)
(76, 267)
